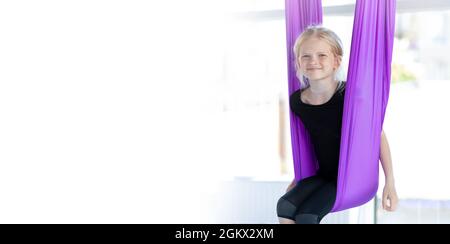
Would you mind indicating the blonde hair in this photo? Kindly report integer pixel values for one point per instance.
(321, 33)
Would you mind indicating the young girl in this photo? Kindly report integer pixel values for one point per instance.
(319, 105)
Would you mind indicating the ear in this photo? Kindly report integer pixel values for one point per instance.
(337, 62)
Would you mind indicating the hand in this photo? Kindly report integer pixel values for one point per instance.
(292, 185)
(390, 198)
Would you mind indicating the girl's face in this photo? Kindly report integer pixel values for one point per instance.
(316, 60)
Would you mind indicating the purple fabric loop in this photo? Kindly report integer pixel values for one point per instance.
(366, 97)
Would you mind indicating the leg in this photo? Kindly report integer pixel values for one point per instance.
(286, 211)
(307, 219)
(286, 221)
(288, 204)
(317, 205)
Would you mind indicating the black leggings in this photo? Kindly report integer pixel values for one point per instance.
(309, 201)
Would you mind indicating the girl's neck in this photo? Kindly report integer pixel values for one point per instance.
(322, 88)
(319, 91)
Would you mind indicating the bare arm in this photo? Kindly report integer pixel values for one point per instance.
(390, 198)
(386, 160)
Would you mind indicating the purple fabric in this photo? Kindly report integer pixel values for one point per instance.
(299, 15)
(366, 97)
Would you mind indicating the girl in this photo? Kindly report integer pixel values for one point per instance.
(319, 105)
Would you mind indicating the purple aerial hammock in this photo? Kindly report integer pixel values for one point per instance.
(366, 97)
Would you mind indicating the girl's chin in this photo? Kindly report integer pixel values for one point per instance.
(316, 77)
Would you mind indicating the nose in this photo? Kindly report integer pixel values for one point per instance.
(313, 60)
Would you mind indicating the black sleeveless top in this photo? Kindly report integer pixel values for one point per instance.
(323, 122)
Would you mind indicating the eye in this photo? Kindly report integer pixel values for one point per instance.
(306, 56)
(322, 55)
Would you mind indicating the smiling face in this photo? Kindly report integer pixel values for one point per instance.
(316, 59)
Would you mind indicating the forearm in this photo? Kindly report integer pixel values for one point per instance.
(386, 159)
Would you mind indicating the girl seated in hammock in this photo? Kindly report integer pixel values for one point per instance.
(319, 104)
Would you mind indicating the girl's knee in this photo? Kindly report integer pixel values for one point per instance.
(285, 209)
